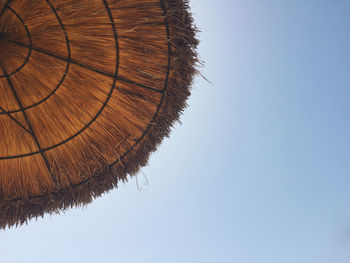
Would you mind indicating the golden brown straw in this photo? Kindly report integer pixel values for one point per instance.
(88, 89)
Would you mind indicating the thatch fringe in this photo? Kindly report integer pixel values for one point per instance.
(181, 70)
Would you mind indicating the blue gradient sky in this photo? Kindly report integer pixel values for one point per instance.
(258, 171)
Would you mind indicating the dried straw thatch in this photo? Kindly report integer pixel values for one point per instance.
(88, 89)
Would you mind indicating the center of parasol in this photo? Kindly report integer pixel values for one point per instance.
(15, 43)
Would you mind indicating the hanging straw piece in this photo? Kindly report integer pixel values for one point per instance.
(88, 89)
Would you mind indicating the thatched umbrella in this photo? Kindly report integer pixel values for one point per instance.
(88, 89)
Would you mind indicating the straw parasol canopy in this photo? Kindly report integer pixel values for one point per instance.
(88, 89)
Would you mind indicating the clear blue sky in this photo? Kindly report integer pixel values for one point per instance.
(259, 170)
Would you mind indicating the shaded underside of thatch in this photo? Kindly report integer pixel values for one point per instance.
(136, 77)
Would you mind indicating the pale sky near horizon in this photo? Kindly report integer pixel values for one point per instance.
(259, 170)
